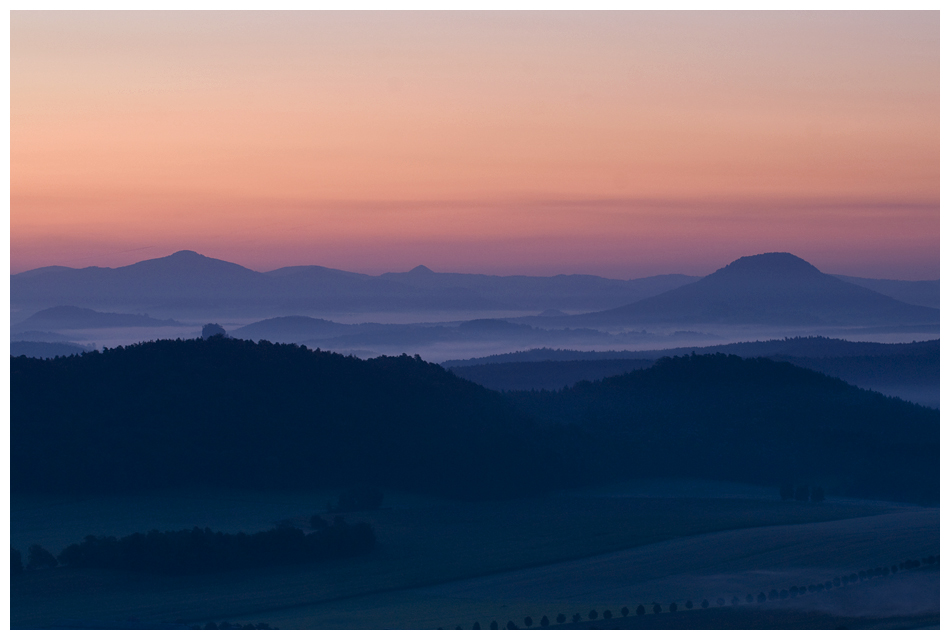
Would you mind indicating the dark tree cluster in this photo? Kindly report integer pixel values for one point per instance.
(205, 551)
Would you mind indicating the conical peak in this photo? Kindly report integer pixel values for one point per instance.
(422, 269)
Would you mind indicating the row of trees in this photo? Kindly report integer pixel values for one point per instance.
(774, 594)
(205, 551)
(801, 493)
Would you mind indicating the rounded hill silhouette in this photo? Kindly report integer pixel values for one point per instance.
(773, 289)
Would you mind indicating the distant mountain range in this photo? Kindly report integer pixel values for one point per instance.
(188, 283)
(768, 289)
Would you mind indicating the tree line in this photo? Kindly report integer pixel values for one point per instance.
(205, 551)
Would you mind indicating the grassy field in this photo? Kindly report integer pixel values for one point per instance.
(439, 563)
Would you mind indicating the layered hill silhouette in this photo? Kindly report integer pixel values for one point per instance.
(765, 289)
(910, 371)
(189, 281)
(69, 317)
(234, 413)
(724, 417)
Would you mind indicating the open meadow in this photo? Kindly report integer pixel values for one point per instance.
(441, 563)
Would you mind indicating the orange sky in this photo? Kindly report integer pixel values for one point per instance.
(622, 144)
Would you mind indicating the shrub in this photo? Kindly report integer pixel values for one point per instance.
(592, 615)
(735, 600)
(773, 594)
(749, 598)
(657, 608)
(576, 617)
(793, 591)
(476, 627)
(511, 625)
(720, 602)
(608, 614)
(761, 597)
(641, 610)
(704, 604)
(544, 621)
(673, 607)
(783, 594)
(561, 618)
(528, 621)
(625, 612)
(689, 604)
(493, 625)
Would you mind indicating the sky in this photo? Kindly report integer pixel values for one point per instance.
(621, 144)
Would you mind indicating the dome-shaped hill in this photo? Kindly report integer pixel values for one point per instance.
(772, 289)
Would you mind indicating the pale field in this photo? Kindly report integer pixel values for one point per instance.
(442, 563)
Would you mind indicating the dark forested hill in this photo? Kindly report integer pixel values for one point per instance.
(235, 413)
(238, 414)
(758, 420)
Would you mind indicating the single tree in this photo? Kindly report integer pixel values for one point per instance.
(761, 598)
(783, 594)
(689, 604)
(592, 615)
(608, 614)
(528, 621)
(735, 600)
(576, 617)
(673, 607)
(544, 621)
(511, 625)
(493, 625)
(625, 612)
(720, 602)
(657, 608)
(476, 627)
(561, 618)
(704, 604)
(773, 594)
(749, 598)
(211, 329)
(641, 610)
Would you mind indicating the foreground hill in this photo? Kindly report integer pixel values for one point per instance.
(238, 414)
(722, 417)
(766, 289)
(910, 371)
(234, 413)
